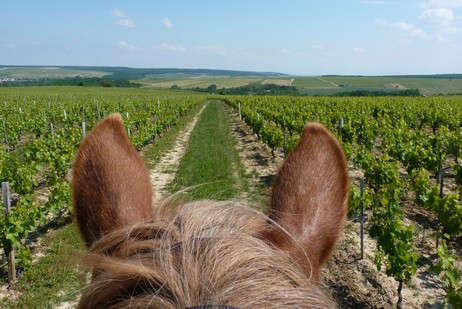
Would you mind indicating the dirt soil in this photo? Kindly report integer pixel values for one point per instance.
(355, 283)
(398, 86)
(164, 171)
(278, 82)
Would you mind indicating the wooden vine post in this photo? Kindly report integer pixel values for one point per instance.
(6, 136)
(10, 250)
(239, 110)
(440, 179)
(361, 188)
(52, 131)
(84, 129)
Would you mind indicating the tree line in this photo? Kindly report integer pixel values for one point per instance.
(75, 81)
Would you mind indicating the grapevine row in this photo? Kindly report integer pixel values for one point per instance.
(398, 143)
(35, 157)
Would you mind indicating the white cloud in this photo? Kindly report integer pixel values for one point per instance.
(419, 34)
(359, 50)
(396, 25)
(438, 16)
(123, 21)
(126, 22)
(219, 50)
(412, 32)
(377, 2)
(403, 26)
(127, 46)
(291, 53)
(173, 48)
(9, 45)
(118, 13)
(166, 22)
(450, 30)
(212, 49)
(440, 39)
(440, 4)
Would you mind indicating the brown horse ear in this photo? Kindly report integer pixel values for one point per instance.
(111, 186)
(310, 198)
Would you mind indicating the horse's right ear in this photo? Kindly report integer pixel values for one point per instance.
(111, 187)
(310, 198)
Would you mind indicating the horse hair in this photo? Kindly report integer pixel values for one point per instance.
(207, 253)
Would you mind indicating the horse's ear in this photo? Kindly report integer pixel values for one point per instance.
(111, 185)
(310, 198)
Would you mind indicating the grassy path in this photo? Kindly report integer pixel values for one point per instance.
(54, 280)
(211, 167)
(162, 171)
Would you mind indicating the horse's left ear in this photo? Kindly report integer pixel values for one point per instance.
(111, 185)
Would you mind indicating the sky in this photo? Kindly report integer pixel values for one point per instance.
(298, 37)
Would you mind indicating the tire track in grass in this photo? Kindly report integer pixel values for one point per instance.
(164, 172)
(211, 167)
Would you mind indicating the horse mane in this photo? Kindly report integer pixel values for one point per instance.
(191, 255)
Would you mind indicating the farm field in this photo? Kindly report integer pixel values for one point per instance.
(394, 143)
(46, 72)
(187, 79)
(201, 82)
(332, 84)
(317, 85)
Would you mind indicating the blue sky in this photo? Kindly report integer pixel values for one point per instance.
(301, 37)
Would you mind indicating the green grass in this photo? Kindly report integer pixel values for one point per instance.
(211, 168)
(47, 72)
(54, 279)
(153, 153)
(97, 91)
(325, 85)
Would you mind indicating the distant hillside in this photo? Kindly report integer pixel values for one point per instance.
(189, 79)
(432, 76)
(124, 72)
(137, 73)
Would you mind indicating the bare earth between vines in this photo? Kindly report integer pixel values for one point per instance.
(356, 283)
(164, 171)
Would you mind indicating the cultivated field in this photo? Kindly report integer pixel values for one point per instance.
(395, 144)
(187, 79)
(46, 72)
(201, 82)
(317, 85)
(333, 84)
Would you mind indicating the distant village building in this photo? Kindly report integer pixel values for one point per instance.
(6, 80)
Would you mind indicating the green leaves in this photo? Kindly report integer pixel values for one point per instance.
(38, 160)
(395, 248)
(449, 275)
(396, 143)
(447, 208)
(21, 221)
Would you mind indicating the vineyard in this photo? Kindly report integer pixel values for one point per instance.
(405, 154)
(39, 137)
